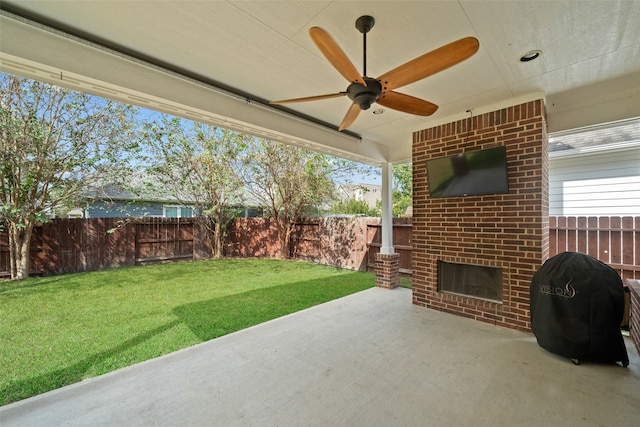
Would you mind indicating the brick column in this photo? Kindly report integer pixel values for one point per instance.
(387, 270)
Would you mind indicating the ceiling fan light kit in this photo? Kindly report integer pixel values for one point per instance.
(365, 91)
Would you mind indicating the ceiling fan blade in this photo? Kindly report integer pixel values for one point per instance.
(406, 103)
(429, 63)
(335, 55)
(350, 117)
(309, 98)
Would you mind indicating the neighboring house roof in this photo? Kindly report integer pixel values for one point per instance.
(138, 187)
(116, 192)
(143, 188)
(623, 134)
(596, 171)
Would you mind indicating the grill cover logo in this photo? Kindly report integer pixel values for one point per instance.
(567, 292)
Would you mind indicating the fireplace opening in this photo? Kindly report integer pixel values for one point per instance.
(470, 280)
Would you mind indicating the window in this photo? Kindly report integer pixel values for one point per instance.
(171, 212)
(177, 212)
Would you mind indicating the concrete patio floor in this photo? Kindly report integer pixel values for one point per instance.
(369, 359)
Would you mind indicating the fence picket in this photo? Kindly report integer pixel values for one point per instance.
(636, 248)
(615, 240)
(572, 232)
(553, 234)
(582, 235)
(603, 240)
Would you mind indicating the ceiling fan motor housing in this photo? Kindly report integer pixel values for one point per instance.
(364, 96)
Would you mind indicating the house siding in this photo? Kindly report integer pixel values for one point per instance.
(601, 183)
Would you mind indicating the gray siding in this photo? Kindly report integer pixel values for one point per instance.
(120, 209)
(600, 183)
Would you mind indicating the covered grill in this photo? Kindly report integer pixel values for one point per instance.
(577, 305)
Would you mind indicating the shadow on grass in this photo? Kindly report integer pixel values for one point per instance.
(21, 389)
(220, 316)
(11, 285)
(207, 320)
(50, 284)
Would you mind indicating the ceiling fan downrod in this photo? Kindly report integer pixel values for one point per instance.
(364, 25)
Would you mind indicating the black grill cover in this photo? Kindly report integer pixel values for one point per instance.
(577, 304)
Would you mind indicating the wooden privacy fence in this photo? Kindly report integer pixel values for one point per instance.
(350, 243)
(613, 240)
(72, 245)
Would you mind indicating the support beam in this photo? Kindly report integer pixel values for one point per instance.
(387, 261)
(387, 213)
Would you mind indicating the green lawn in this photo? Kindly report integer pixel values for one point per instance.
(59, 330)
(405, 282)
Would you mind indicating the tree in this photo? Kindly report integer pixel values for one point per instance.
(403, 188)
(353, 206)
(290, 183)
(197, 164)
(54, 143)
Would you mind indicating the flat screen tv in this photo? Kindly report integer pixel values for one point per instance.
(469, 174)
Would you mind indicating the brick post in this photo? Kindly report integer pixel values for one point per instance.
(387, 270)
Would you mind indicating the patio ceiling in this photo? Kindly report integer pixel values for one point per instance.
(222, 61)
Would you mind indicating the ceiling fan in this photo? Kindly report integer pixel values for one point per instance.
(364, 90)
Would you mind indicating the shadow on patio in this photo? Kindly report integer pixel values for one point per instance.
(369, 359)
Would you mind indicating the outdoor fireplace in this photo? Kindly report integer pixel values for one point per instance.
(470, 280)
(507, 232)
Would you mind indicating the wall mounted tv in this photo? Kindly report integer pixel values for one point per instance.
(469, 174)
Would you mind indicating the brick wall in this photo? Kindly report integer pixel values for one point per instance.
(509, 231)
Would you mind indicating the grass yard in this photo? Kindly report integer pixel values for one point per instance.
(55, 331)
